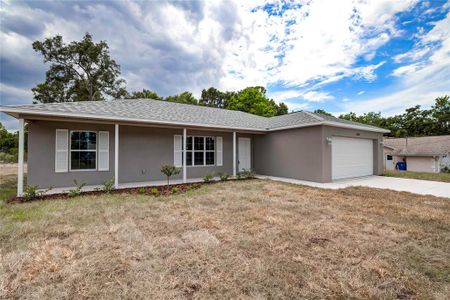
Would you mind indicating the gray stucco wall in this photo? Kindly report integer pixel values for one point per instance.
(294, 153)
(142, 151)
(303, 153)
(41, 155)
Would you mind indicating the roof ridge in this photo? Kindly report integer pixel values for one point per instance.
(314, 115)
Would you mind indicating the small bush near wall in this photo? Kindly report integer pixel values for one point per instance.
(246, 174)
(169, 171)
(77, 190)
(208, 177)
(224, 176)
(32, 192)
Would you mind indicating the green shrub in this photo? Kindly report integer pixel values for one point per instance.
(32, 192)
(445, 169)
(246, 174)
(208, 177)
(77, 190)
(169, 171)
(174, 190)
(154, 192)
(195, 185)
(224, 176)
(108, 186)
(7, 157)
(142, 190)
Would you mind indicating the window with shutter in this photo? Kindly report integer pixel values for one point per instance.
(61, 150)
(177, 150)
(103, 151)
(219, 151)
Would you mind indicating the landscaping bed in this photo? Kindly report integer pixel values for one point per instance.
(165, 190)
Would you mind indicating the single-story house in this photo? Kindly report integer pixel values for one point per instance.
(421, 154)
(129, 140)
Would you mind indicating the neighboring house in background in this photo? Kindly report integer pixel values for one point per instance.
(129, 140)
(421, 154)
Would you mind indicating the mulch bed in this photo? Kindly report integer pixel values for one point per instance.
(165, 190)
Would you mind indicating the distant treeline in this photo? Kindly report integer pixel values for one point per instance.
(415, 121)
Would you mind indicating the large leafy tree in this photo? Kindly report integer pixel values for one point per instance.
(79, 71)
(440, 112)
(184, 97)
(145, 94)
(214, 98)
(254, 100)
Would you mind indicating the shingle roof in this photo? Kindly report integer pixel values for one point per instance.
(155, 111)
(417, 146)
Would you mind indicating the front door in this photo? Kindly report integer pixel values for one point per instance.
(244, 154)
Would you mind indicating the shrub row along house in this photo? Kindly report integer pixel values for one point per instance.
(129, 140)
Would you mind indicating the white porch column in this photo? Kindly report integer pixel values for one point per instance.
(116, 156)
(234, 153)
(20, 159)
(184, 154)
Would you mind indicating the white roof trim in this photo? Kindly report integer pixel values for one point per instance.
(122, 119)
(333, 124)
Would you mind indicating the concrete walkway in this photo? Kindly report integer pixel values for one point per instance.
(423, 187)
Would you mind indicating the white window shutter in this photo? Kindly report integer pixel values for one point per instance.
(62, 150)
(177, 150)
(219, 154)
(103, 150)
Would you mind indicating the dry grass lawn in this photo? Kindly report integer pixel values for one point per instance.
(246, 239)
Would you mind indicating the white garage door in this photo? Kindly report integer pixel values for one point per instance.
(351, 157)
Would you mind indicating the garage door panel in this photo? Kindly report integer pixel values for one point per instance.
(351, 157)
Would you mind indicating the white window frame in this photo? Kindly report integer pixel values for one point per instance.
(192, 151)
(90, 150)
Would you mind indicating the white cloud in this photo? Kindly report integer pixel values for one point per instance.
(405, 70)
(315, 96)
(320, 42)
(361, 93)
(420, 82)
(412, 55)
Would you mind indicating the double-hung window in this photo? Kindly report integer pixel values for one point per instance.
(83, 150)
(200, 151)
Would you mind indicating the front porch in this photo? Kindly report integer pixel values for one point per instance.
(129, 154)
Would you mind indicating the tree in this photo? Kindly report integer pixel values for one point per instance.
(145, 94)
(282, 109)
(322, 112)
(169, 171)
(185, 97)
(79, 71)
(440, 112)
(253, 100)
(214, 98)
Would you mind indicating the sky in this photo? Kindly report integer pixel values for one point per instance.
(340, 56)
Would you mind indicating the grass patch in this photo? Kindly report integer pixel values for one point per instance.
(236, 239)
(444, 177)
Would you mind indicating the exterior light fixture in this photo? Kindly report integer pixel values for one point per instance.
(329, 140)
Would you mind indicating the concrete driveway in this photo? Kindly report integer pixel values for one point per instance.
(423, 187)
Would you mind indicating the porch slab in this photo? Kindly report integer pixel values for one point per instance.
(422, 187)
